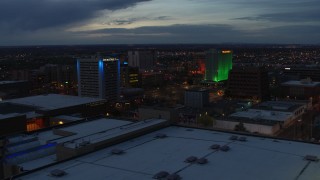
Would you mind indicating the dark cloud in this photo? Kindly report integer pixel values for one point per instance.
(174, 34)
(133, 20)
(38, 14)
(210, 34)
(306, 16)
(216, 33)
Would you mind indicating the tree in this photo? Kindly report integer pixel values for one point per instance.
(206, 120)
(240, 127)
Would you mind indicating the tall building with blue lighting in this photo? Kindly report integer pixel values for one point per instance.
(99, 77)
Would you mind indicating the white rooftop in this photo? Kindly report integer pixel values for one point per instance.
(256, 159)
(82, 130)
(10, 82)
(5, 116)
(68, 118)
(256, 114)
(93, 131)
(53, 101)
(301, 83)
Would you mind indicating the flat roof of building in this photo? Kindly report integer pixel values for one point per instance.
(53, 101)
(6, 116)
(72, 135)
(81, 130)
(143, 157)
(258, 114)
(10, 82)
(68, 118)
(197, 90)
(9, 108)
(301, 84)
(280, 105)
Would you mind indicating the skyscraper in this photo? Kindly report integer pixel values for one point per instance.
(250, 83)
(218, 64)
(99, 77)
(144, 60)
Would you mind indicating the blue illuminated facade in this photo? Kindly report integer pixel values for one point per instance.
(21, 153)
(99, 77)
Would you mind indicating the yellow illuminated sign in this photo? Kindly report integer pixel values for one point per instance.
(226, 52)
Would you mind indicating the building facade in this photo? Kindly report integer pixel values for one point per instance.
(196, 98)
(144, 60)
(304, 89)
(248, 83)
(99, 77)
(218, 64)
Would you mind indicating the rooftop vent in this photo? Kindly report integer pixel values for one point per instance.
(173, 177)
(225, 148)
(202, 161)
(57, 173)
(160, 175)
(161, 136)
(215, 146)
(117, 151)
(242, 139)
(311, 158)
(233, 138)
(191, 159)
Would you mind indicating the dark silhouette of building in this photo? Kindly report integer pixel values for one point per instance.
(303, 73)
(303, 89)
(14, 89)
(130, 77)
(248, 83)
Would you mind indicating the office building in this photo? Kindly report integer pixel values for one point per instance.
(46, 110)
(250, 83)
(218, 64)
(303, 89)
(265, 118)
(298, 73)
(144, 60)
(99, 78)
(130, 77)
(196, 98)
(14, 89)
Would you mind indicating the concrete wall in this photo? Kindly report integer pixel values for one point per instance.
(253, 128)
(149, 113)
(13, 125)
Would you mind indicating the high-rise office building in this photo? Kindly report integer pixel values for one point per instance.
(248, 83)
(130, 77)
(218, 64)
(99, 77)
(144, 60)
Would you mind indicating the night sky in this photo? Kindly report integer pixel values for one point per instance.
(53, 22)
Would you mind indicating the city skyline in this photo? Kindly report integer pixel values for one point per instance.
(55, 22)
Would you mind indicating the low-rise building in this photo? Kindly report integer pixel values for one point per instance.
(265, 118)
(40, 110)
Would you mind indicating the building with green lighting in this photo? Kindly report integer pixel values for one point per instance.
(218, 64)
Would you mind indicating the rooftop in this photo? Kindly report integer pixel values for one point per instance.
(301, 83)
(70, 136)
(143, 157)
(5, 116)
(10, 82)
(257, 114)
(289, 106)
(53, 101)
